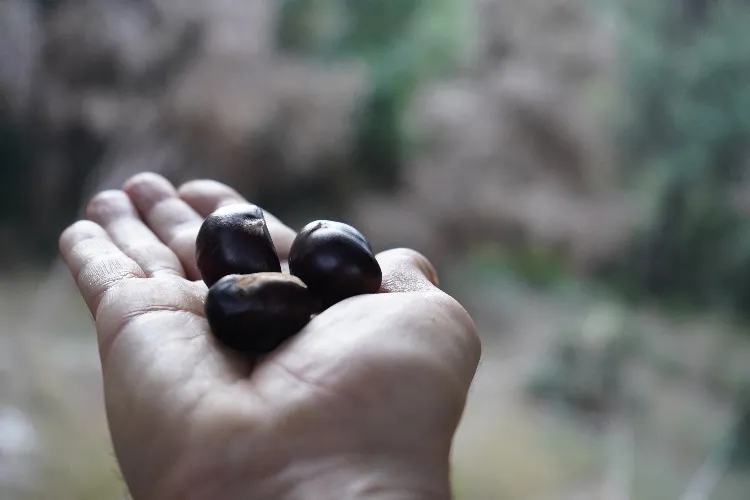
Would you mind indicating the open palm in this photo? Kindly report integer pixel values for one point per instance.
(364, 400)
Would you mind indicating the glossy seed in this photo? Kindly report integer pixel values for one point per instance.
(257, 313)
(235, 240)
(335, 261)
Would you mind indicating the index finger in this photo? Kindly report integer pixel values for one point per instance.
(96, 263)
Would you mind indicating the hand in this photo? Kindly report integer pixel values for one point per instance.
(363, 403)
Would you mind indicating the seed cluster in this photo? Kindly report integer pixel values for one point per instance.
(251, 305)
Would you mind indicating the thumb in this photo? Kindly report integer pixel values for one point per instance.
(406, 270)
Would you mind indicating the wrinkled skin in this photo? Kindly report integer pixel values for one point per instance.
(363, 403)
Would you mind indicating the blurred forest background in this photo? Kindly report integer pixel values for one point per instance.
(577, 170)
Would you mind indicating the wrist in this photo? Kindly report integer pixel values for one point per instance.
(366, 478)
(346, 477)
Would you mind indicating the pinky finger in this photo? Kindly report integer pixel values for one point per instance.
(96, 263)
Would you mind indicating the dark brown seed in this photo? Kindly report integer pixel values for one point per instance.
(235, 240)
(335, 261)
(256, 313)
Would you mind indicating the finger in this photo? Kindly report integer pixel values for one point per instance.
(205, 196)
(174, 221)
(96, 263)
(406, 270)
(114, 212)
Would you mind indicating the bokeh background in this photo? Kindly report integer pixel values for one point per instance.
(577, 170)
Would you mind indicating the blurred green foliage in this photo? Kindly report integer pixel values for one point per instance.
(404, 44)
(685, 138)
(534, 267)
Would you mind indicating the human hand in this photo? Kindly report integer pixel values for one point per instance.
(362, 403)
